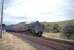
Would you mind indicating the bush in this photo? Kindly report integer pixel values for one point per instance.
(68, 30)
(56, 28)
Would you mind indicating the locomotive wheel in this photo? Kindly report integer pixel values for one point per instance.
(39, 34)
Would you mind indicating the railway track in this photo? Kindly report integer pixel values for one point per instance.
(42, 43)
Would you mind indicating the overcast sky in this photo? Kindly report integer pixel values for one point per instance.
(42, 10)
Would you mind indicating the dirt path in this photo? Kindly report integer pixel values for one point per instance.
(43, 44)
(11, 42)
(34, 43)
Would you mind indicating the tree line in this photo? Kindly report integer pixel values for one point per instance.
(67, 30)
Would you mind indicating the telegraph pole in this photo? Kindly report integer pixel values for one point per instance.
(2, 6)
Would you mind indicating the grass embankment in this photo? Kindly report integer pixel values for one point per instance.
(59, 36)
(11, 42)
(52, 35)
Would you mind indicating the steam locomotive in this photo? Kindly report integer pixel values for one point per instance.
(35, 28)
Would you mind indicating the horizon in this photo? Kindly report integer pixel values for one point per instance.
(39, 21)
(16, 11)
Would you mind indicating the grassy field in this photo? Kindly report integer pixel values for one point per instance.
(57, 36)
(52, 35)
(11, 42)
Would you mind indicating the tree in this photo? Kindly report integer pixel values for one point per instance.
(56, 28)
(68, 30)
(47, 28)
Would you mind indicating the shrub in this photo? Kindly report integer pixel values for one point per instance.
(68, 30)
(56, 28)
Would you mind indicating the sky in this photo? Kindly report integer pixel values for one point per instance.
(16, 11)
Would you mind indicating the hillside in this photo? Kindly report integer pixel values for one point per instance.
(22, 26)
(62, 23)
